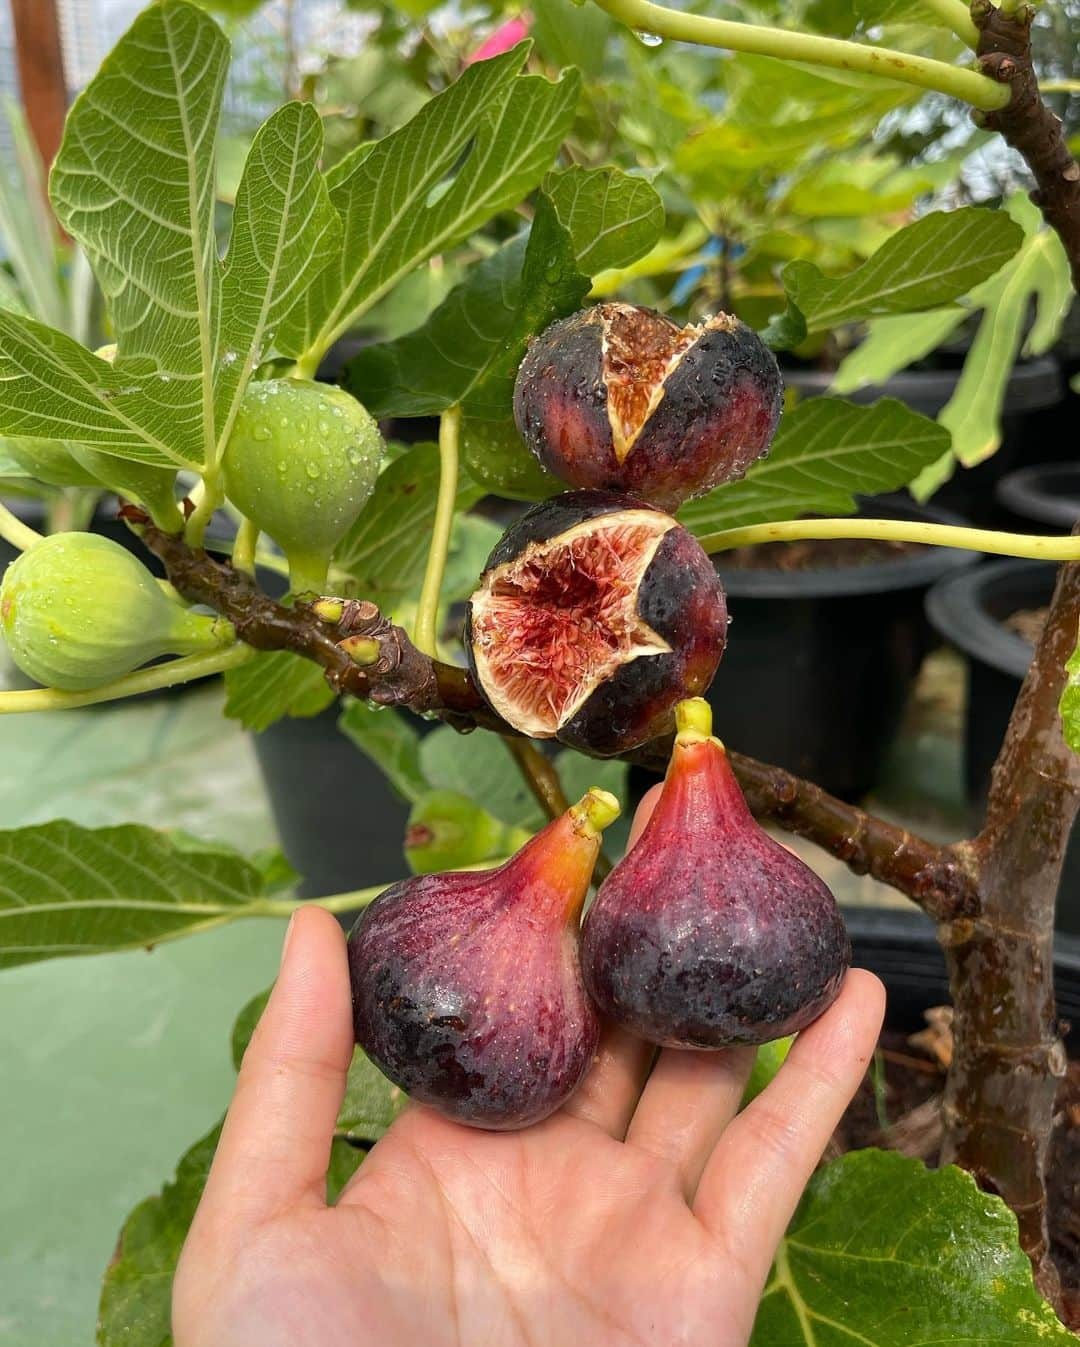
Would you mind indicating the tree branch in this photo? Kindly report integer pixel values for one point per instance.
(1027, 124)
(1008, 1056)
(937, 878)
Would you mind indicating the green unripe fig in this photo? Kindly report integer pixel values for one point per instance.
(301, 464)
(78, 610)
(446, 831)
(152, 487)
(51, 462)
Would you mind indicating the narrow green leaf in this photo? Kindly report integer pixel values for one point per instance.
(474, 150)
(484, 772)
(134, 183)
(924, 265)
(244, 1026)
(136, 1299)
(53, 388)
(1051, 285)
(27, 227)
(884, 1252)
(71, 890)
(391, 743)
(345, 1160)
(274, 684)
(1069, 705)
(284, 232)
(825, 453)
(384, 553)
(469, 349)
(891, 344)
(613, 217)
(768, 1060)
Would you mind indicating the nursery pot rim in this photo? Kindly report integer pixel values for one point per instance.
(957, 612)
(1022, 492)
(910, 571)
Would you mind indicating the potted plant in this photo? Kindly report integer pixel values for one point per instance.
(214, 372)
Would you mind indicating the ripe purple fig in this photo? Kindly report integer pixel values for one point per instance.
(595, 615)
(621, 398)
(709, 933)
(467, 987)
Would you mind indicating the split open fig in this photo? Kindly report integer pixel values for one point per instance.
(595, 615)
(621, 398)
(467, 988)
(710, 933)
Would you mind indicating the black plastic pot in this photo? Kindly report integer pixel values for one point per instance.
(968, 610)
(340, 823)
(820, 663)
(901, 948)
(1029, 425)
(1044, 496)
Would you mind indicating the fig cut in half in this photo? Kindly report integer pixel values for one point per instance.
(596, 614)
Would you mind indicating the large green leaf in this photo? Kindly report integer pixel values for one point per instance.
(391, 743)
(469, 349)
(826, 452)
(134, 183)
(136, 1298)
(929, 263)
(284, 232)
(884, 1252)
(891, 344)
(474, 150)
(71, 890)
(274, 684)
(384, 553)
(51, 387)
(483, 771)
(613, 218)
(496, 458)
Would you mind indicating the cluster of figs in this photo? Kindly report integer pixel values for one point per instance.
(599, 621)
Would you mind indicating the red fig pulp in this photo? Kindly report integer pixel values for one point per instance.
(709, 933)
(467, 988)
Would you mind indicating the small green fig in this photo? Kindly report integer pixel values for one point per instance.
(301, 464)
(152, 487)
(51, 462)
(78, 610)
(446, 831)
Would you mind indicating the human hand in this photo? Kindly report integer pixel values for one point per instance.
(644, 1211)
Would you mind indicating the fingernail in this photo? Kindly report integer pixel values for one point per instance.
(288, 937)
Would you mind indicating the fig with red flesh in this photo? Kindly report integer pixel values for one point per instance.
(595, 615)
(621, 398)
(709, 933)
(466, 986)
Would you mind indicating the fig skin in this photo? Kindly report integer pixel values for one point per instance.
(709, 933)
(718, 413)
(467, 988)
(680, 597)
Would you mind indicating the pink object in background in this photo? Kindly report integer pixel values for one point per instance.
(502, 39)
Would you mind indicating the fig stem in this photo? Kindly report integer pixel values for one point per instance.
(1040, 548)
(211, 496)
(595, 810)
(425, 634)
(243, 553)
(954, 14)
(143, 680)
(969, 85)
(693, 720)
(15, 532)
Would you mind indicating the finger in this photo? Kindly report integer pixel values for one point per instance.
(609, 1093)
(275, 1145)
(756, 1174)
(690, 1098)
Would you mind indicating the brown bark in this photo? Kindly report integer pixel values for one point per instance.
(40, 60)
(1008, 1055)
(1027, 124)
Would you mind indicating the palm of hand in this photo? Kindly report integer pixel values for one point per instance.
(645, 1211)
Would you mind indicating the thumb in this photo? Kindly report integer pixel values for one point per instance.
(275, 1145)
